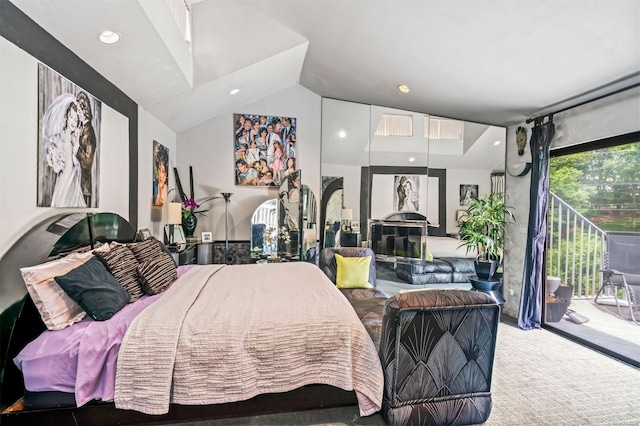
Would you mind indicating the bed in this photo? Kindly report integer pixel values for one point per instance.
(219, 335)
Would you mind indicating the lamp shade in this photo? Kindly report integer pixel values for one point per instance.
(174, 216)
(347, 214)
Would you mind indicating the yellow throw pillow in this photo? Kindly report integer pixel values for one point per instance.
(352, 272)
(428, 255)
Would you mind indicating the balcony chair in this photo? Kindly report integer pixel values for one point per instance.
(622, 271)
(630, 285)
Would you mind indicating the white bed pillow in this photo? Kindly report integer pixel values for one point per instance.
(56, 308)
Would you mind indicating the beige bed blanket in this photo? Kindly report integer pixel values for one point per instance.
(227, 333)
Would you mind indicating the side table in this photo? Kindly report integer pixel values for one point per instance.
(205, 253)
(185, 257)
(350, 239)
(492, 287)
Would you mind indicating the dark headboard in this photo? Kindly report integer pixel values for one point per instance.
(432, 230)
(20, 321)
(405, 216)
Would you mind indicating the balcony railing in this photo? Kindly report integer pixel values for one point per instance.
(575, 248)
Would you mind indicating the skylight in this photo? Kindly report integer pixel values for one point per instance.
(395, 125)
(443, 128)
(182, 14)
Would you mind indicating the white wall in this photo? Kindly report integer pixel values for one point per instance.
(151, 129)
(18, 150)
(457, 177)
(615, 115)
(611, 116)
(209, 148)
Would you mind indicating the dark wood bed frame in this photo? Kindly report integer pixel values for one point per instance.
(21, 323)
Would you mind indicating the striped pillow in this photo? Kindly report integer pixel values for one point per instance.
(156, 274)
(122, 264)
(146, 250)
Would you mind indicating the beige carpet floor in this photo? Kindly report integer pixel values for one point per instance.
(539, 378)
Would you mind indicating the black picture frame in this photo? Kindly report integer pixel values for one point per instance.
(467, 192)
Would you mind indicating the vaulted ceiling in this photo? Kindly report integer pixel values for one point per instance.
(488, 61)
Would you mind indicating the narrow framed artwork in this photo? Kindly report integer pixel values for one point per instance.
(406, 193)
(207, 237)
(467, 192)
(144, 233)
(160, 174)
(174, 234)
(265, 149)
(68, 142)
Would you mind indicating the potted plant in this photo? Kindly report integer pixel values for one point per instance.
(481, 228)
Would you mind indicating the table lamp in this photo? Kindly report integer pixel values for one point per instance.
(174, 217)
(347, 217)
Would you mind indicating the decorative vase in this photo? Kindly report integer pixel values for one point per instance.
(485, 269)
(189, 224)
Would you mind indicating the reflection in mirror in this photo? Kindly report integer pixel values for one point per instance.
(290, 216)
(390, 161)
(269, 239)
(373, 147)
(309, 225)
(330, 215)
(264, 223)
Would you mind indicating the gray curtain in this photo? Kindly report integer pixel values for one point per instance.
(529, 316)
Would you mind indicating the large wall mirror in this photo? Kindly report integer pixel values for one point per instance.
(379, 161)
(285, 227)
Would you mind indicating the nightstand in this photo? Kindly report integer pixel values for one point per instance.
(205, 253)
(350, 239)
(186, 256)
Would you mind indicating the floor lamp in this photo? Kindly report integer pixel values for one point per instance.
(227, 196)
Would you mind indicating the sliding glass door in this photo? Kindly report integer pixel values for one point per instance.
(594, 225)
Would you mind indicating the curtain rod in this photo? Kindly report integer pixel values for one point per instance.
(550, 114)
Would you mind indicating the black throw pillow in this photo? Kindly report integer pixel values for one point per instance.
(92, 287)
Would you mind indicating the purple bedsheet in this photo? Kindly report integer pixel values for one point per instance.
(82, 358)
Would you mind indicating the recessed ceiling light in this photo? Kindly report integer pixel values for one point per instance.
(234, 91)
(342, 134)
(496, 143)
(403, 88)
(109, 37)
(412, 159)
